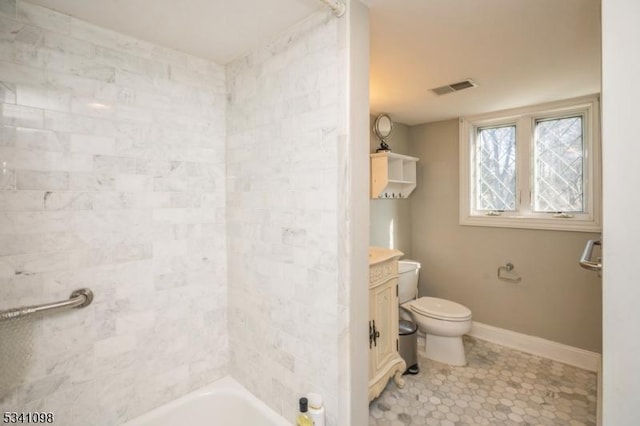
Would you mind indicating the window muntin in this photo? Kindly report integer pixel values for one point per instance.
(495, 168)
(570, 130)
(558, 173)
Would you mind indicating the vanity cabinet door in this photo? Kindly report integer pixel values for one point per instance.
(384, 360)
(372, 349)
(385, 314)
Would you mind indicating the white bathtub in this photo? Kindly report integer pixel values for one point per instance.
(225, 402)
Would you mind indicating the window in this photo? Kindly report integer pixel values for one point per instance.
(495, 167)
(535, 167)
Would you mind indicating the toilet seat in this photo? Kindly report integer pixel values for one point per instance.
(441, 309)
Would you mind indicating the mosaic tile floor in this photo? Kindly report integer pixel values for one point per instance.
(499, 386)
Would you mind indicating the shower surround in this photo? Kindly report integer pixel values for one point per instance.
(199, 203)
(282, 177)
(115, 180)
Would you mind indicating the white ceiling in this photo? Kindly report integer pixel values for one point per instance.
(520, 52)
(218, 30)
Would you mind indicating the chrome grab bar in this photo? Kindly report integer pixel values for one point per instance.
(78, 299)
(585, 260)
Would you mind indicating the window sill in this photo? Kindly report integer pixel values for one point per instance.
(522, 222)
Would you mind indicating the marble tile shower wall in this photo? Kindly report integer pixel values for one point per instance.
(112, 177)
(282, 179)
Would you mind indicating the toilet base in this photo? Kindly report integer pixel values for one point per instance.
(447, 350)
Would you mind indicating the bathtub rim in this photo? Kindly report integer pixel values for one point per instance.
(227, 384)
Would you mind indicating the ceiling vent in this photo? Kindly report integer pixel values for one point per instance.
(454, 87)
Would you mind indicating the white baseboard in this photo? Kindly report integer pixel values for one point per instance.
(577, 357)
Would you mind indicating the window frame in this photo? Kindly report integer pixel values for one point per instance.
(525, 119)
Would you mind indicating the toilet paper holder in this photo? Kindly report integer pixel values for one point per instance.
(506, 273)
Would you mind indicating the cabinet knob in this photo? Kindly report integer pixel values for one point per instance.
(371, 335)
(374, 334)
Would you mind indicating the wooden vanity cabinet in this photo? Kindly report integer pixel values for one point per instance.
(384, 360)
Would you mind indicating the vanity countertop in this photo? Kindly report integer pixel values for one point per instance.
(380, 254)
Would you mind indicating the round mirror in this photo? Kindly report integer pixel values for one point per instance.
(383, 126)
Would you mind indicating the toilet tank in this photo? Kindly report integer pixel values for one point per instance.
(408, 280)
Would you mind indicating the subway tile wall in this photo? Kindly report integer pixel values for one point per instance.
(283, 128)
(112, 176)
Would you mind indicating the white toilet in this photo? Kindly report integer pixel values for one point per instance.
(443, 321)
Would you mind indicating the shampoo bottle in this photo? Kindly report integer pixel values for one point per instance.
(303, 418)
(316, 409)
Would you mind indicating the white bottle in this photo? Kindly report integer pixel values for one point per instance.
(316, 409)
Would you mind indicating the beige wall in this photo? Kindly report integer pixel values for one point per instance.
(391, 219)
(556, 299)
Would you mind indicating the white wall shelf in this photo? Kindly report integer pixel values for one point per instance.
(392, 175)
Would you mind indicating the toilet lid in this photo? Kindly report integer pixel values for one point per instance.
(441, 309)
